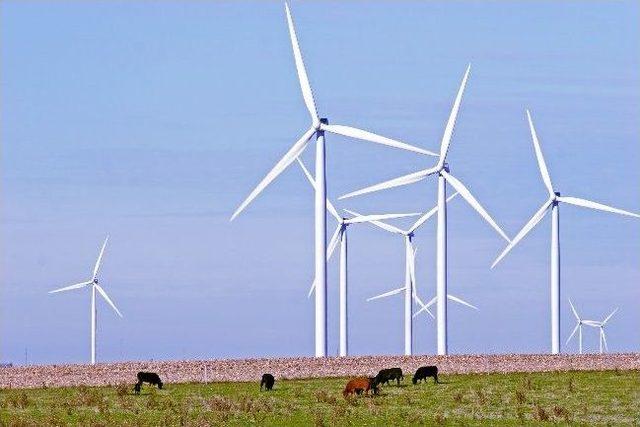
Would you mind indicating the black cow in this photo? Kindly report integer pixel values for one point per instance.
(424, 372)
(386, 375)
(147, 377)
(267, 382)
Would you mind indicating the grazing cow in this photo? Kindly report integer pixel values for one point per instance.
(386, 375)
(147, 377)
(267, 382)
(360, 385)
(424, 372)
(136, 388)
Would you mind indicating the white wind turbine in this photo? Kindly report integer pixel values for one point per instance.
(553, 204)
(600, 326)
(94, 287)
(578, 327)
(409, 287)
(444, 176)
(340, 235)
(317, 128)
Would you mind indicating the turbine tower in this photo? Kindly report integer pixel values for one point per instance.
(553, 204)
(444, 176)
(318, 128)
(94, 287)
(340, 235)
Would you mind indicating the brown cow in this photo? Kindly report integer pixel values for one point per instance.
(359, 385)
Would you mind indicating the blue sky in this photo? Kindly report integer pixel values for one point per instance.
(152, 121)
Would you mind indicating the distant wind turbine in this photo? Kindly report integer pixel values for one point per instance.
(318, 127)
(94, 287)
(553, 204)
(578, 327)
(340, 235)
(600, 326)
(444, 176)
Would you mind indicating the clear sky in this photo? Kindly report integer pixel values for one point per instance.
(152, 121)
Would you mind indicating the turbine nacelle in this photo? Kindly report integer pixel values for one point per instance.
(320, 124)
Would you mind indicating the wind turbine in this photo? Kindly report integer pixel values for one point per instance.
(444, 176)
(340, 235)
(94, 287)
(409, 287)
(578, 327)
(553, 204)
(600, 326)
(318, 127)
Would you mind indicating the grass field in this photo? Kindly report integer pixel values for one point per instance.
(581, 398)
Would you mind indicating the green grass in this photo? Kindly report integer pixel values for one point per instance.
(580, 398)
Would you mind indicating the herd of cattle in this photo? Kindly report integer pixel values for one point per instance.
(365, 385)
(355, 386)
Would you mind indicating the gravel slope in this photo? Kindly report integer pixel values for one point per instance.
(302, 367)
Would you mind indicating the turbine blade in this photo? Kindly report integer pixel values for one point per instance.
(332, 210)
(334, 241)
(383, 225)
(99, 260)
(369, 218)
(466, 194)
(575, 313)
(282, 164)
(461, 301)
(68, 288)
(535, 219)
(573, 333)
(541, 163)
(592, 323)
(311, 289)
(428, 215)
(451, 123)
(387, 294)
(423, 307)
(604, 322)
(372, 137)
(106, 297)
(432, 301)
(597, 206)
(396, 182)
(307, 92)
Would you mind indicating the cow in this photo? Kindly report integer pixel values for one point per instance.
(267, 382)
(359, 385)
(386, 375)
(147, 377)
(424, 372)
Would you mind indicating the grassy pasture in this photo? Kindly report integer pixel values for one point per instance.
(578, 398)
